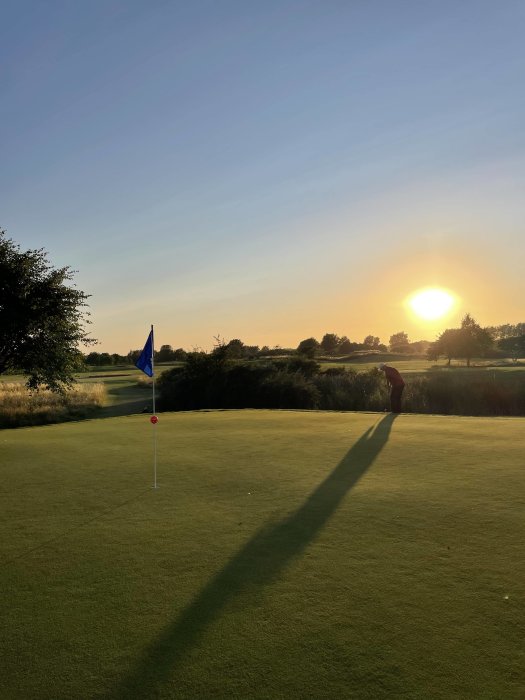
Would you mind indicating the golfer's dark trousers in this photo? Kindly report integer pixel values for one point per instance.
(395, 398)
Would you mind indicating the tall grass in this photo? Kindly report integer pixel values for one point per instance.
(467, 393)
(212, 384)
(20, 407)
(352, 391)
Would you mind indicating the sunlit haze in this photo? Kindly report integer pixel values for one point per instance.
(431, 304)
(269, 171)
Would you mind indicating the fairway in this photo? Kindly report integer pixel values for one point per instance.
(286, 554)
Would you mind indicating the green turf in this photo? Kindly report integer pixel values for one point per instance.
(285, 555)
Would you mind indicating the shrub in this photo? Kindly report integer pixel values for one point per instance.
(467, 393)
(352, 391)
(212, 382)
(287, 390)
(209, 382)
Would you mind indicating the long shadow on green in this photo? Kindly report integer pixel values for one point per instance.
(259, 562)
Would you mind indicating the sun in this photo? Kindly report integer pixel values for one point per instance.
(431, 304)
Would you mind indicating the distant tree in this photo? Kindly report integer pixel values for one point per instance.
(133, 356)
(330, 343)
(515, 347)
(235, 349)
(93, 358)
(346, 346)
(372, 342)
(474, 341)
(117, 359)
(179, 355)
(308, 347)
(420, 347)
(165, 354)
(42, 317)
(507, 330)
(466, 342)
(447, 345)
(399, 342)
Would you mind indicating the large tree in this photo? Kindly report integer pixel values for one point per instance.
(466, 342)
(330, 343)
(308, 347)
(515, 346)
(399, 342)
(446, 345)
(42, 317)
(474, 341)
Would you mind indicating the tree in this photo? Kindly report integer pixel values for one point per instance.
(446, 345)
(372, 342)
(133, 356)
(515, 347)
(105, 359)
(42, 317)
(180, 355)
(419, 347)
(346, 346)
(507, 330)
(330, 342)
(165, 354)
(473, 340)
(308, 347)
(466, 342)
(93, 358)
(399, 342)
(235, 349)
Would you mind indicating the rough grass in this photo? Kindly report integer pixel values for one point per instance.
(20, 407)
(285, 555)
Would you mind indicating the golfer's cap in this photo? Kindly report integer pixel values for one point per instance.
(381, 365)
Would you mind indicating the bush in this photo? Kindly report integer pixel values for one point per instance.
(304, 365)
(352, 391)
(467, 393)
(286, 390)
(208, 381)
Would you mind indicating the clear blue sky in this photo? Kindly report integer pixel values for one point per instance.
(268, 171)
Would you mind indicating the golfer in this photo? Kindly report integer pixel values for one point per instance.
(396, 384)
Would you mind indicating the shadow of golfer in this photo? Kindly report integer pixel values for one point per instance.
(261, 559)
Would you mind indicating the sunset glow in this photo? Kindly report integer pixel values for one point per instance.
(431, 304)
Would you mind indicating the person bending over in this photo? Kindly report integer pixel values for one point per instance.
(396, 384)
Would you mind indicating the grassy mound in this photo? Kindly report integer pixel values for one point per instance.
(285, 555)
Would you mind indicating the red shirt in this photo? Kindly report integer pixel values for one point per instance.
(392, 376)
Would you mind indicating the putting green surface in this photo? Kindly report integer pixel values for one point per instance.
(284, 555)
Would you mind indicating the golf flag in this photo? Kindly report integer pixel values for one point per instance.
(145, 361)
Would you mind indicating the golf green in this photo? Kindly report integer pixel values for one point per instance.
(285, 554)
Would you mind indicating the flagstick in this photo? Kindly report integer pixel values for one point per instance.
(154, 424)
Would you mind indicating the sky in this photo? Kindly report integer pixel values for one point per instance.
(269, 171)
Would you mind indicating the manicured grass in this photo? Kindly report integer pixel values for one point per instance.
(285, 555)
(418, 366)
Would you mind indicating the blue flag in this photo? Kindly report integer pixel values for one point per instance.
(145, 361)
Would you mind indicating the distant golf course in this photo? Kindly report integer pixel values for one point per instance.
(285, 554)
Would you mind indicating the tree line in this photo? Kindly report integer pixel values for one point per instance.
(466, 342)
(471, 340)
